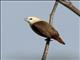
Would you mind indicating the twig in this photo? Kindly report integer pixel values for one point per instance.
(46, 50)
(70, 6)
(48, 40)
(53, 12)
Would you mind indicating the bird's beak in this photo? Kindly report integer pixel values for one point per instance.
(26, 20)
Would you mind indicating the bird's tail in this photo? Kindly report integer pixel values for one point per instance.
(59, 39)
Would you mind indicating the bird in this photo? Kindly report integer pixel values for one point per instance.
(43, 29)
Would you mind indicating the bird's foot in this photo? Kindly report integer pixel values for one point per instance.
(48, 39)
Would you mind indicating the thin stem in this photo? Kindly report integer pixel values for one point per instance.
(48, 39)
(53, 12)
(46, 50)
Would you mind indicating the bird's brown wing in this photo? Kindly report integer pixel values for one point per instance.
(44, 29)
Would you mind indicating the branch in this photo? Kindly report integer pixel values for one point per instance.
(48, 39)
(70, 6)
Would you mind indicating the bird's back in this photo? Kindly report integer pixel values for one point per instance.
(44, 28)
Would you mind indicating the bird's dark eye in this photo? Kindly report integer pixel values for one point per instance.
(30, 18)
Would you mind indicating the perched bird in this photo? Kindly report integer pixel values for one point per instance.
(43, 28)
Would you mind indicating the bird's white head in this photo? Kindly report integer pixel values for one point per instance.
(31, 20)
